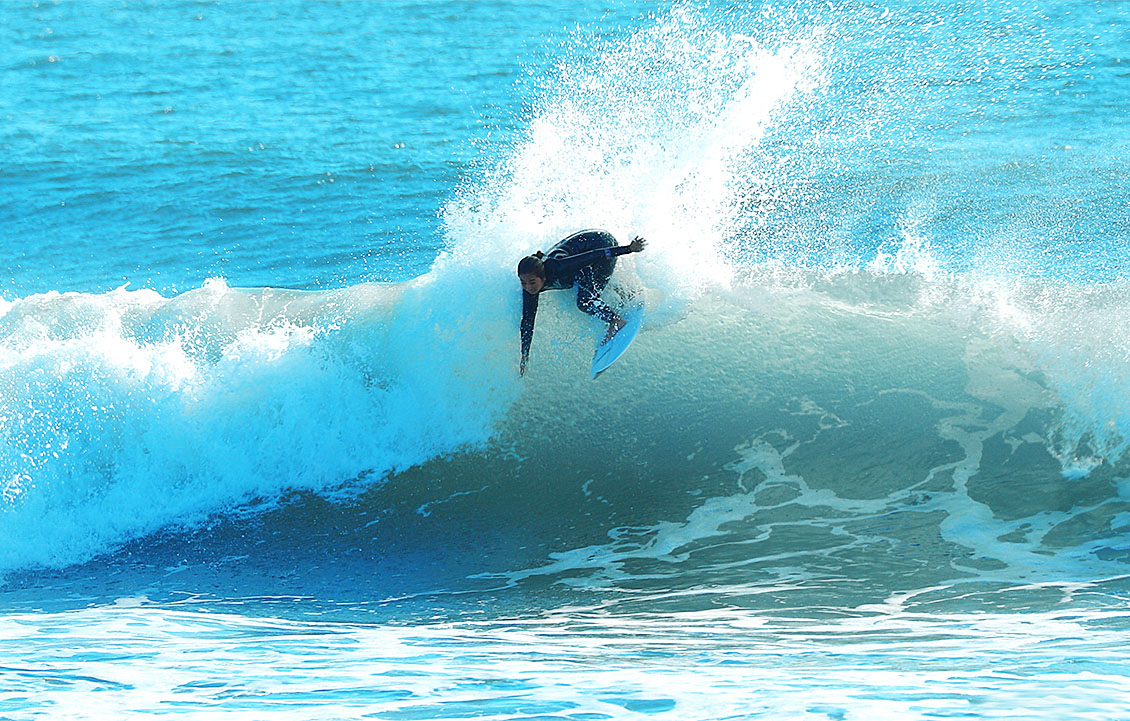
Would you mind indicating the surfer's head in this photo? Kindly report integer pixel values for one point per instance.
(531, 273)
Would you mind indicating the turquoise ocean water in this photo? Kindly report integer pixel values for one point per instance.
(264, 449)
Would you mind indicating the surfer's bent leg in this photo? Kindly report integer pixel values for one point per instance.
(589, 286)
(589, 301)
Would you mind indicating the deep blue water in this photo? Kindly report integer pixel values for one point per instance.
(264, 449)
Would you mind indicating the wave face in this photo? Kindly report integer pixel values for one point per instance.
(127, 412)
(891, 430)
(852, 367)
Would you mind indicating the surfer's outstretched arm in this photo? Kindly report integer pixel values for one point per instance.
(572, 263)
(529, 310)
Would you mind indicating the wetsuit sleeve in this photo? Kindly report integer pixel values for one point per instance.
(529, 310)
(572, 263)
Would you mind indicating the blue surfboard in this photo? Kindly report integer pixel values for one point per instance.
(607, 353)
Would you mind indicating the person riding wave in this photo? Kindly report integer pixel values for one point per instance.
(584, 260)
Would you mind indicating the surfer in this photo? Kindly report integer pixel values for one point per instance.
(585, 261)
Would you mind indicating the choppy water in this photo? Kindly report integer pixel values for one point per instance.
(266, 454)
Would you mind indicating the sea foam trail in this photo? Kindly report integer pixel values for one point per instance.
(126, 412)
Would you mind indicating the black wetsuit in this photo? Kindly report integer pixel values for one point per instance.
(584, 260)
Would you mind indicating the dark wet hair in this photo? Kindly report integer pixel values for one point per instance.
(532, 264)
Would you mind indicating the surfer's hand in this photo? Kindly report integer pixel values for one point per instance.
(638, 243)
(522, 367)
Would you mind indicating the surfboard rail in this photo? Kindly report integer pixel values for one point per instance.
(609, 352)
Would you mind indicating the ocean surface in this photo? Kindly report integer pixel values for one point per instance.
(265, 452)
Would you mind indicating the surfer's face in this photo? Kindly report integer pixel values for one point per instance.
(532, 283)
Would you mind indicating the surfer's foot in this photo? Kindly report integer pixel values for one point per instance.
(614, 328)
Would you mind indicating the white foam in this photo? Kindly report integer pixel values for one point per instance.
(127, 412)
(656, 135)
(128, 661)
